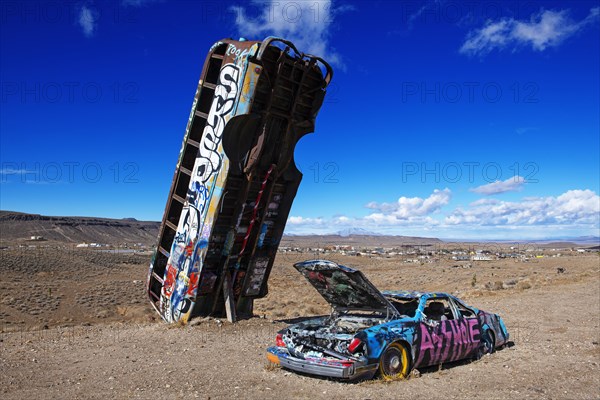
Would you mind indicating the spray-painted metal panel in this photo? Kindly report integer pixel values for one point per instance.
(235, 178)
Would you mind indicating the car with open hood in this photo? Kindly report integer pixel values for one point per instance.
(390, 332)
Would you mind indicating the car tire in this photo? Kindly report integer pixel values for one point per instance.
(488, 344)
(394, 362)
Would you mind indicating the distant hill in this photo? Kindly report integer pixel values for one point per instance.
(357, 231)
(555, 245)
(15, 226)
(358, 240)
(557, 242)
(586, 239)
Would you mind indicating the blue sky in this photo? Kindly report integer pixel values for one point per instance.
(445, 118)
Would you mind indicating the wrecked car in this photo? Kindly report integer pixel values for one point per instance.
(387, 333)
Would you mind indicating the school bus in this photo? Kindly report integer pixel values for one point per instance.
(235, 178)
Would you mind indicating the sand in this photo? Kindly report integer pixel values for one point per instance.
(77, 324)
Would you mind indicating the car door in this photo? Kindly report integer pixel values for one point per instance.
(466, 331)
(435, 342)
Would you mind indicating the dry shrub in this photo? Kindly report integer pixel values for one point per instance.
(523, 285)
(392, 379)
(122, 310)
(510, 283)
(472, 293)
(176, 325)
(494, 286)
(271, 366)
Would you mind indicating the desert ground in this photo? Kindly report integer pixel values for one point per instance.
(76, 323)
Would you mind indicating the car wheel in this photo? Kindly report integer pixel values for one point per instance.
(394, 362)
(488, 344)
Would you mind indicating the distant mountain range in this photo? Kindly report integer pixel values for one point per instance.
(16, 226)
(580, 239)
(357, 231)
(557, 241)
(358, 237)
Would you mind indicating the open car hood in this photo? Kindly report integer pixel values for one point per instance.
(344, 288)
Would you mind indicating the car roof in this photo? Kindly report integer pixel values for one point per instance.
(412, 294)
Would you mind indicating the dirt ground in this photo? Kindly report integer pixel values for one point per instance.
(76, 324)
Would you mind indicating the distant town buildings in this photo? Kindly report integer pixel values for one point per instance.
(424, 254)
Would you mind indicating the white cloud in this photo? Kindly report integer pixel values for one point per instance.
(304, 221)
(88, 20)
(409, 207)
(510, 185)
(545, 29)
(405, 214)
(342, 219)
(432, 5)
(307, 24)
(574, 207)
(573, 213)
(377, 223)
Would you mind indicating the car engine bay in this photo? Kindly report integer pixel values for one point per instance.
(327, 337)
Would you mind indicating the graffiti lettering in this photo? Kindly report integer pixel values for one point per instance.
(232, 50)
(197, 196)
(209, 157)
(188, 241)
(448, 341)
